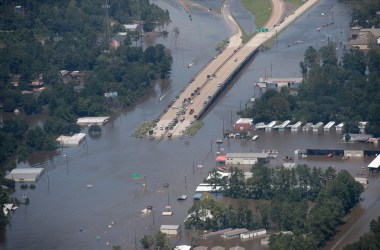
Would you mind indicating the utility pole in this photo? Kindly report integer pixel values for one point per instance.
(106, 28)
(140, 26)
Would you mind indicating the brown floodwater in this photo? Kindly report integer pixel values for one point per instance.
(89, 200)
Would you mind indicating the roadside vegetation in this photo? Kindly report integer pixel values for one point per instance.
(193, 129)
(143, 129)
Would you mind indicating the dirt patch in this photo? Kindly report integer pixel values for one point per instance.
(289, 8)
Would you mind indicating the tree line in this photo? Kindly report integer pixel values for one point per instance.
(309, 202)
(48, 37)
(334, 89)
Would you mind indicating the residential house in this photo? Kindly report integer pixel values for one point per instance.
(118, 40)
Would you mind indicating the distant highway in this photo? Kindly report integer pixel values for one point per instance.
(192, 102)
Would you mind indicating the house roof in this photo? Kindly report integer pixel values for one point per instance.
(244, 120)
(169, 227)
(220, 158)
(120, 37)
(130, 26)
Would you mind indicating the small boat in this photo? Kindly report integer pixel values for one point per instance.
(255, 137)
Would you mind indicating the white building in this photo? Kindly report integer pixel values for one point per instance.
(252, 234)
(246, 158)
(25, 174)
(87, 121)
(70, 141)
(170, 229)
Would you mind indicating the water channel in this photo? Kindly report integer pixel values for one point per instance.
(88, 199)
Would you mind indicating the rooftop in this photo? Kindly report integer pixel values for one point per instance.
(25, 174)
(247, 155)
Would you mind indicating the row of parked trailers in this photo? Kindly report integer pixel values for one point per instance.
(298, 125)
(242, 233)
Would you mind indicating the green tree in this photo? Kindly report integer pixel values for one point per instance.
(147, 241)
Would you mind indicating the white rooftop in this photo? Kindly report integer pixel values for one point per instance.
(169, 227)
(375, 163)
(130, 26)
(182, 247)
(245, 120)
(25, 174)
(84, 121)
(73, 140)
(247, 155)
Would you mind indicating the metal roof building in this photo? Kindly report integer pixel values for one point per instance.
(170, 229)
(182, 247)
(25, 174)
(234, 233)
(246, 158)
(216, 233)
(200, 248)
(218, 248)
(375, 164)
(255, 233)
(69, 141)
(87, 121)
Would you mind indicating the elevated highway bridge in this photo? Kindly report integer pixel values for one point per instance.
(192, 102)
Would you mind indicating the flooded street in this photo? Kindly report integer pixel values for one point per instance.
(87, 198)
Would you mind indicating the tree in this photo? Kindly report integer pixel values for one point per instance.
(147, 241)
(215, 178)
(160, 241)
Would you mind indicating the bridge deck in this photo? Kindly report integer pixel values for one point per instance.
(212, 79)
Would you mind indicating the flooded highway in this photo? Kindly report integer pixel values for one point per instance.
(89, 200)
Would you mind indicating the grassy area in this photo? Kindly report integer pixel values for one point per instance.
(296, 2)
(193, 129)
(260, 9)
(143, 129)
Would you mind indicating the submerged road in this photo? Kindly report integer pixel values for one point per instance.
(195, 98)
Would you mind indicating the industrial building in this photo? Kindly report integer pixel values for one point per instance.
(246, 158)
(170, 229)
(25, 174)
(252, 234)
(88, 121)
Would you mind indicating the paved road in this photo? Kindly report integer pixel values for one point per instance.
(215, 75)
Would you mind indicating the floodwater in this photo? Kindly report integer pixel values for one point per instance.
(87, 199)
